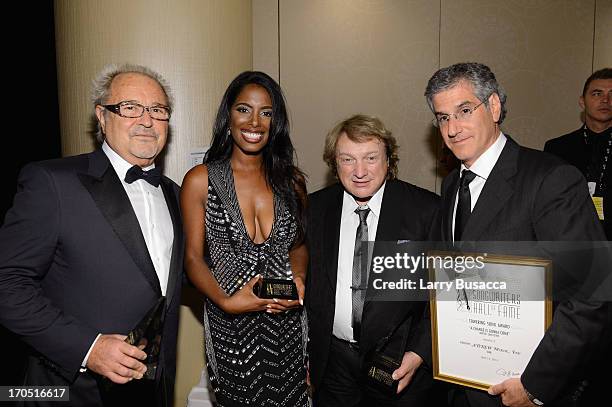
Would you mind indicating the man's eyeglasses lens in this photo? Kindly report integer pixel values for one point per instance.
(463, 115)
(136, 110)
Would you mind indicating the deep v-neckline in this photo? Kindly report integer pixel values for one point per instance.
(238, 209)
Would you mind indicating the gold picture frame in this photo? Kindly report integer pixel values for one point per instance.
(481, 343)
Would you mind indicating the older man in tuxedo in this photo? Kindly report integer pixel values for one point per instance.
(90, 245)
(505, 192)
(368, 204)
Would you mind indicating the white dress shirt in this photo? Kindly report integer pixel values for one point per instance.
(152, 213)
(349, 222)
(482, 167)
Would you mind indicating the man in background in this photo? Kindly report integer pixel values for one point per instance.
(589, 147)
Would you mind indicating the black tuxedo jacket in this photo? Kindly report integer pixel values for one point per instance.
(407, 213)
(74, 263)
(572, 148)
(533, 196)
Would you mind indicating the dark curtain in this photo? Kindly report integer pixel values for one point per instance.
(31, 128)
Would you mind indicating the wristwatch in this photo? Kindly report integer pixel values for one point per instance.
(533, 399)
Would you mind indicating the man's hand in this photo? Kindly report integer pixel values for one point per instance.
(116, 359)
(410, 363)
(512, 393)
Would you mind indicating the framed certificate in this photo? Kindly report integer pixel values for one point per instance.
(487, 316)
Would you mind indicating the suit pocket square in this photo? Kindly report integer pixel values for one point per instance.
(402, 241)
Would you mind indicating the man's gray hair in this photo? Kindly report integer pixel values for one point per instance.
(478, 75)
(102, 83)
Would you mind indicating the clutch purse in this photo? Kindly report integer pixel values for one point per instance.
(148, 333)
(276, 288)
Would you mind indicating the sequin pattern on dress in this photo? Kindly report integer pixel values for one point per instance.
(254, 359)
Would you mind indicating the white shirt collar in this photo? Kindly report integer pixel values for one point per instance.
(349, 205)
(485, 163)
(119, 164)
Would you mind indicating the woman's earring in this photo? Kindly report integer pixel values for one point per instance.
(229, 132)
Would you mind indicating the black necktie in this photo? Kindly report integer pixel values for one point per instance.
(360, 271)
(464, 203)
(152, 176)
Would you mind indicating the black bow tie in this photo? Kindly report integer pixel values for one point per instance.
(152, 176)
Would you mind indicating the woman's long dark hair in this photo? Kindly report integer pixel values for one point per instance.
(284, 177)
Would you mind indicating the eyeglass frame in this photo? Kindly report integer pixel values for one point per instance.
(115, 108)
(466, 115)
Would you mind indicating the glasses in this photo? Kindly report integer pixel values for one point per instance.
(133, 110)
(464, 114)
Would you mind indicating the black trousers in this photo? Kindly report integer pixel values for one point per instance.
(343, 383)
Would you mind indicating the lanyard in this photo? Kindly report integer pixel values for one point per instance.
(604, 159)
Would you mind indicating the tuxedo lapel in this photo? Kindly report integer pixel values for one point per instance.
(387, 231)
(387, 223)
(331, 242)
(496, 191)
(109, 195)
(449, 196)
(176, 259)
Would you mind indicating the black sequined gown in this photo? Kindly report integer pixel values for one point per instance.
(253, 359)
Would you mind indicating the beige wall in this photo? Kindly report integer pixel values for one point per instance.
(344, 57)
(603, 34)
(265, 37)
(199, 46)
(339, 57)
(540, 51)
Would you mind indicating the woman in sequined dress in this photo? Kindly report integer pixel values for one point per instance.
(243, 213)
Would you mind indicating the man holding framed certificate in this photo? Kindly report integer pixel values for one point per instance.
(505, 192)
